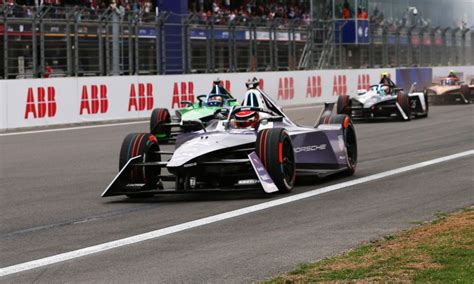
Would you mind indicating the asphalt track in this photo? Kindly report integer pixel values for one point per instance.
(49, 204)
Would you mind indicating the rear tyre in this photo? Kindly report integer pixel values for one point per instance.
(404, 101)
(343, 103)
(350, 140)
(160, 117)
(275, 150)
(146, 146)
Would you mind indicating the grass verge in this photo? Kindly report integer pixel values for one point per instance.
(439, 251)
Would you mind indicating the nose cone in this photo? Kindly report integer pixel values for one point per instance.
(207, 143)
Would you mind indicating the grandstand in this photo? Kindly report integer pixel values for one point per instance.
(53, 38)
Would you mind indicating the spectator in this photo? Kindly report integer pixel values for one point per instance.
(346, 10)
(48, 71)
(365, 16)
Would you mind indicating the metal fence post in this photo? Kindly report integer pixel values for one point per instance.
(131, 62)
(77, 16)
(213, 47)
(184, 44)
(157, 44)
(137, 47)
(69, 71)
(41, 55)
(163, 44)
(229, 46)
(35, 45)
(253, 46)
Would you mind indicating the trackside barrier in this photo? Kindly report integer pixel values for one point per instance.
(42, 102)
(3, 105)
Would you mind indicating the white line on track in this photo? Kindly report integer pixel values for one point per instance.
(216, 218)
(111, 124)
(72, 128)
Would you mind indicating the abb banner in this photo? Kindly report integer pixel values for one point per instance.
(40, 102)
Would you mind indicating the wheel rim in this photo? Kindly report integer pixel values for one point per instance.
(288, 164)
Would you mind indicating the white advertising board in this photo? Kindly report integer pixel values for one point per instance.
(3, 106)
(42, 102)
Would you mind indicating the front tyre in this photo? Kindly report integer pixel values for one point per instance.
(275, 149)
(159, 119)
(146, 146)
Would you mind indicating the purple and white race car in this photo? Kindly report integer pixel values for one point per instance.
(253, 146)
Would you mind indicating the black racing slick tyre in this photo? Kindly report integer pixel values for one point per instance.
(275, 149)
(342, 105)
(158, 120)
(146, 146)
(404, 101)
(350, 140)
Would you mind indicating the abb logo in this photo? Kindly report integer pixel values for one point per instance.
(185, 93)
(339, 86)
(314, 88)
(363, 82)
(144, 99)
(44, 105)
(98, 101)
(286, 90)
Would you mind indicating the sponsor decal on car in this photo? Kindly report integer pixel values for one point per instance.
(310, 148)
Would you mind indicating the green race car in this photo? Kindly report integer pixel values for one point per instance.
(217, 101)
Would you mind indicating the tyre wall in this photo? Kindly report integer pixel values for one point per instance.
(53, 101)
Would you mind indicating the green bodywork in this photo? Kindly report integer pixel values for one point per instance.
(197, 112)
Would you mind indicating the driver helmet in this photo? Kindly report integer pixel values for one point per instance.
(386, 89)
(245, 119)
(215, 101)
(452, 75)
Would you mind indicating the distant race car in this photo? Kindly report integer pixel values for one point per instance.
(384, 101)
(256, 146)
(163, 126)
(451, 90)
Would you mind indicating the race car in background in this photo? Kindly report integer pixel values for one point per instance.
(384, 101)
(165, 127)
(451, 90)
(256, 146)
